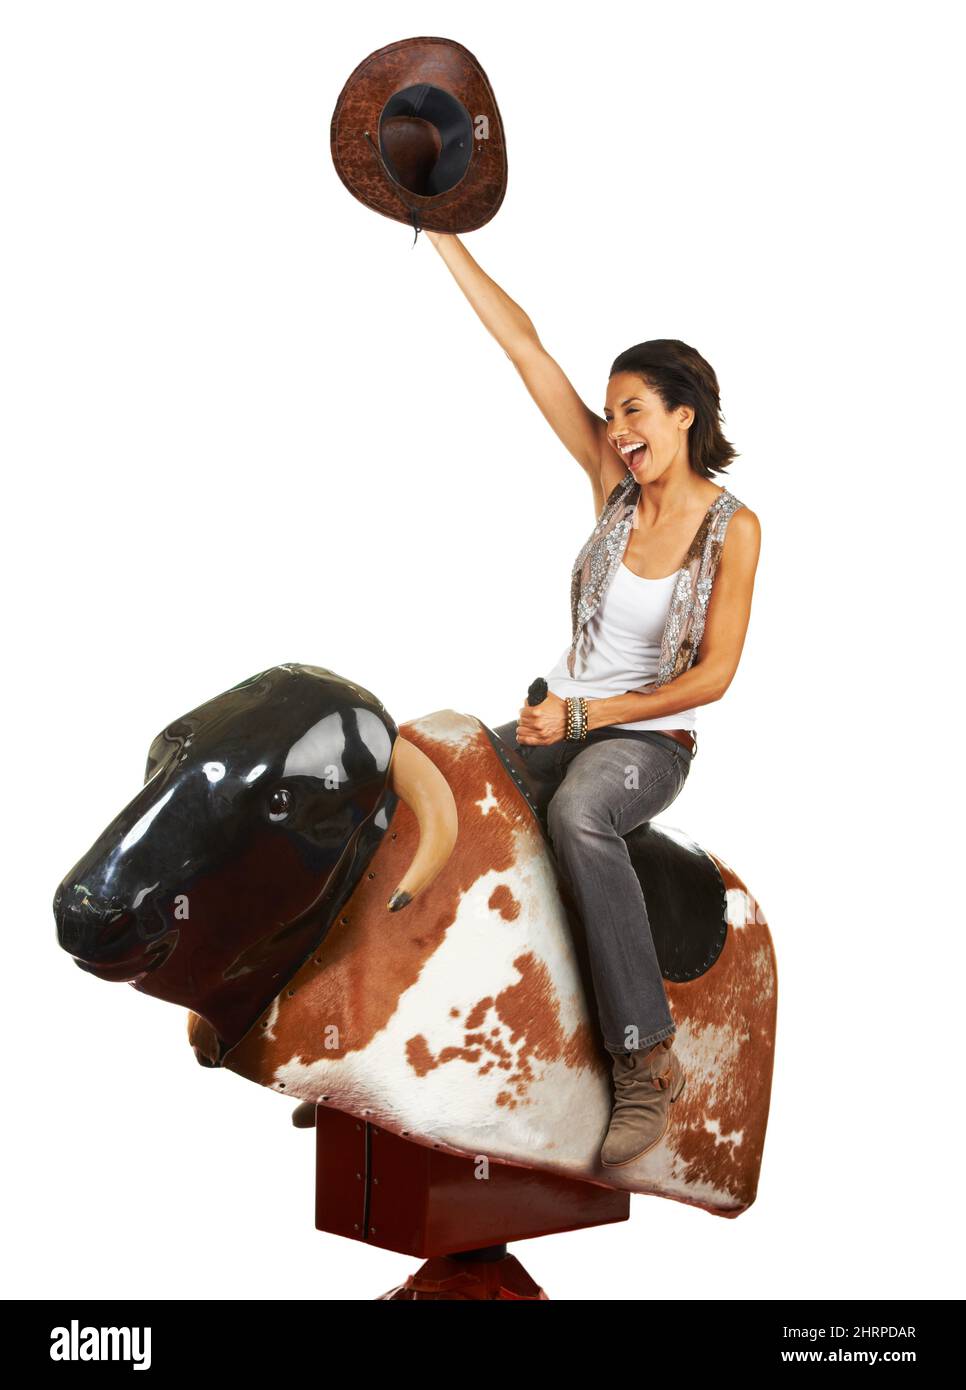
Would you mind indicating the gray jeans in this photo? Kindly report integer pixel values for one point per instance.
(603, 789)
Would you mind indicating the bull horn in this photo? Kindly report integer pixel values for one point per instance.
(418, 782)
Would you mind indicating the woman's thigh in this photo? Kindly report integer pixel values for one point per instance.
(620, 780)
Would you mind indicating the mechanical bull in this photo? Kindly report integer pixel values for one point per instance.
(370, 918)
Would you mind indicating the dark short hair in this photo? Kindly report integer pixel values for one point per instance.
(680, 376)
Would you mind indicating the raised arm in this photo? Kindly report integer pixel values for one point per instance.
(582, 433)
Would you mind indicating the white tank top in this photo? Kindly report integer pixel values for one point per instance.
(625, 646)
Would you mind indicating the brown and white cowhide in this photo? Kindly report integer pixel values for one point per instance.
(462, 1021)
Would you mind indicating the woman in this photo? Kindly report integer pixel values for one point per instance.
(668, 570)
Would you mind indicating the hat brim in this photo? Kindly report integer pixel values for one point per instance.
(443, 63)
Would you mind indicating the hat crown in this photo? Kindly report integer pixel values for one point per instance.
(426, 139)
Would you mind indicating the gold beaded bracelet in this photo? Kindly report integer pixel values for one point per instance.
(577, 716)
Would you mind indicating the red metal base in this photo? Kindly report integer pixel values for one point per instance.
(449, 1277)
(455, 1212)
(376, 1187)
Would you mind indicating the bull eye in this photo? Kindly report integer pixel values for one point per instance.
(280, 804)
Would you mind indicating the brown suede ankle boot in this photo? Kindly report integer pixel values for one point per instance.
(645, 1084)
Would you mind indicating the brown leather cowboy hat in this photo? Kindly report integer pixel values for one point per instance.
(416, 135)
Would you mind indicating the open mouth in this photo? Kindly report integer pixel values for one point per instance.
(633, 454)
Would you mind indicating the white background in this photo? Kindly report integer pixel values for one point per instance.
(245, 422)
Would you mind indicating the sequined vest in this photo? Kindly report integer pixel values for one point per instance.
(597, 563)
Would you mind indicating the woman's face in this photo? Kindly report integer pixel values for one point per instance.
(646, 437)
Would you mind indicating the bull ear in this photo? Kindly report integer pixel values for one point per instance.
(169, 740)
(156, 755)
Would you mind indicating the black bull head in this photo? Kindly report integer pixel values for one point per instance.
(260, 811)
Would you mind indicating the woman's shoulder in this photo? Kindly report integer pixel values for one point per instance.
(740, 534)
(739, 513)
(744, 520)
